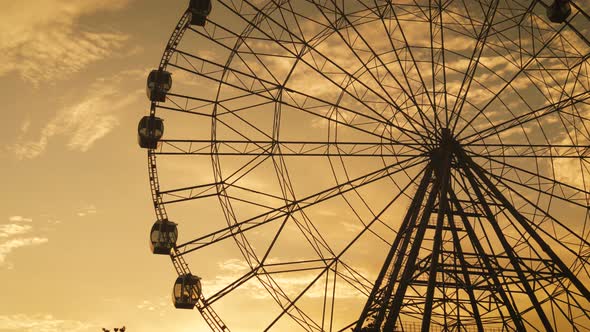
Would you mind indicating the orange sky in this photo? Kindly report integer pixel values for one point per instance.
(77, 210)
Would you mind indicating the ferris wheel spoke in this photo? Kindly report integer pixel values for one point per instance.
(343, 22)
(524, 223)
(267, 94)
(311, 234)
(353, 278)
(348, 274)
(268, 269)
(192, 105)
(333, 264)
(541, 273)
(221, 118)
(209, 190)
(344, 116)
(554, 107)
(230, 287)
(546, 214)
(339, 107)
(508, 249)
(189, 193)
(297, 205)
(552, 151)
(295, 266)
(350, 42)
(256, 55)
(473, 63)
(412, 133)
(438, 61)
(287, 148)
(244, 170)
(533, 115)
(510, 81)
(244, 81)
(183, 110)
(291, 303)
(568, 192)
(408, 48)
(334, 65)
(296, 40)
(536, 187)
(550, 266)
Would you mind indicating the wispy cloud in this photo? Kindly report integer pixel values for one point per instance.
(157, 305)
(42, 323)
(9, 246)
(43, 40)
(48, 41)
(13, 229)
(290, 283)
(84, 122)
(19, 219)
(13, 237)
(573, 171)
(89, 209)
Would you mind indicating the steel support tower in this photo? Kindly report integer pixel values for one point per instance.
(442, 274)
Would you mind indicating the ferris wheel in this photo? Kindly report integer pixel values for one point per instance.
(410, 165)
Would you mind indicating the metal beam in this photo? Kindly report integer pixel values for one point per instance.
(404, 233)
(410, 266)
(526, 224)
(500, 235)
(512, 310)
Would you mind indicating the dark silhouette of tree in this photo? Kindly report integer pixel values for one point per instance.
(116, 329)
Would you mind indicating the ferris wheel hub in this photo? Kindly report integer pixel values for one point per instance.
(446, 147)
(447, 138)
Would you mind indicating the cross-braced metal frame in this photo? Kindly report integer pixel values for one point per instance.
(384, 165)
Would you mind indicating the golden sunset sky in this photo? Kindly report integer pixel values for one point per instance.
(76, 205)
(76, 209)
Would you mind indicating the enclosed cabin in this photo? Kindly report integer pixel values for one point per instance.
(186, 292)
(559, 11)
(199, 9)
(159, 82)
(163, 237)
(149, 132)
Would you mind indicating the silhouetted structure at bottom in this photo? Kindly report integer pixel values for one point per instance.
(116, 329)
(454, 265)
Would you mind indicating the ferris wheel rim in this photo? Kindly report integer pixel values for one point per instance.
(160, 211)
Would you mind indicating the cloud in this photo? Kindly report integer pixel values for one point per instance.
(43, 40)
(42, 323)
(147, 305)
(89, 209)
(9, 246)
(84, 122)
(158, 305)
(573, 171)
(12, 237)
(291, 284)
(19, 219)
(13, 229)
